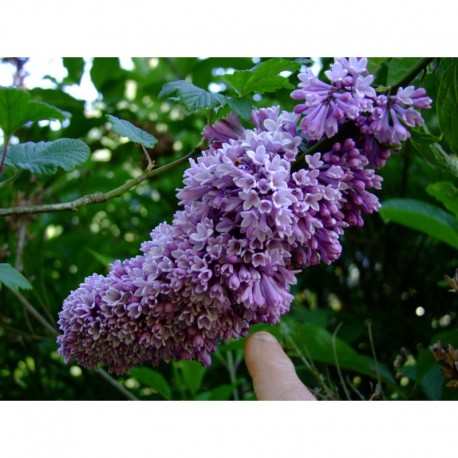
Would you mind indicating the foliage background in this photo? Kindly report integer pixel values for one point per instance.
(358, 329)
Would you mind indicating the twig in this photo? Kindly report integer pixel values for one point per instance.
(7, 139)
(353, 387)
(232, 373)
(99, 197)
(116, 384)
(11, 179)
(377, 369)
(22, 234)
(22, 333)
(334, 350)
(148, 158)
(33, 311)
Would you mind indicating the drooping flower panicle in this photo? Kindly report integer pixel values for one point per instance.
(248, 224)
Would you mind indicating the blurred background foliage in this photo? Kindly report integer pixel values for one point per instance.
(358, 329)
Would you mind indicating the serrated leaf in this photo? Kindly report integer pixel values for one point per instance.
(12, 278)
(44, 158)
(446, 193)
(399, 67)
(17, 109)
(241, 107)
(191, 97)
(422, 217)
(447, 105)
(263, 77)
(133, 133)
(152, 379)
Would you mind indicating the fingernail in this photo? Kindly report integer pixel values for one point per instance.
(265, 336)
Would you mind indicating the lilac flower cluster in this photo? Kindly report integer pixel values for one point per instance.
(249, 222)
(382, 119)
(229, 257)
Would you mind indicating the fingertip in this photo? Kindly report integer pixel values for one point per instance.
(273, 373)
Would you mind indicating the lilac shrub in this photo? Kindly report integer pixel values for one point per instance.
(248, 224)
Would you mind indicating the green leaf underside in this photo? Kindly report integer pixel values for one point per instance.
(446, 193)
(264, 77)
(422, 217)
(152, 379)
(317, 344)
(17, 109)
(133, 133)
(44, 158)
(447, 105)
(191, 97)
(12, 278)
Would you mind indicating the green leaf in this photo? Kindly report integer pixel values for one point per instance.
(434, 153)
(17, 109)
(75, 69)
(44, 158)
(374, 63)
(263, 77)
(447, 105)
(191, 97)
(399, 67)
(422, 217)
(104, 70)
(446, 193)
(429, 375)
(423, 138)
(241, 107)
(193, 374)
(318, 344)
(133, 133)
(12, 278)
(220, 393)
(152, 379)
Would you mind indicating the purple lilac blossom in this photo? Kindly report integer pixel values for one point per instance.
(228, 259)
(248, 224)
(383, 120)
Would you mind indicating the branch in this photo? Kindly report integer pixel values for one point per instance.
(412, 74)
(100, 197)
